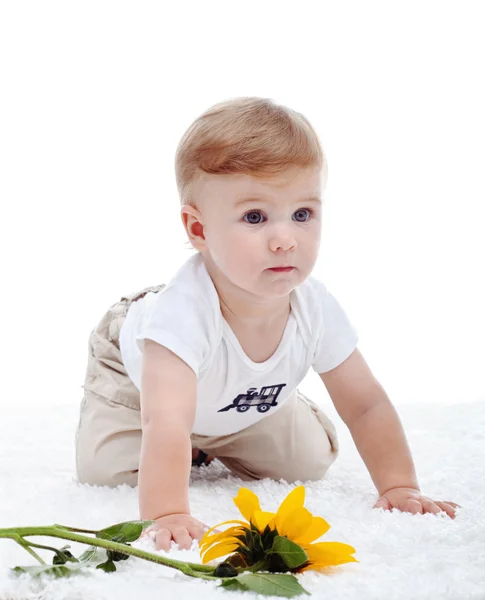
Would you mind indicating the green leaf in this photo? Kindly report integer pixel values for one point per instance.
(267, 584)
(107, 567)
(234, 585)
(56, 570)
(63, 555)
(292, 554)
(90, 558)
(91, 553)
(129, 531)
(116, 556)
(258, 542)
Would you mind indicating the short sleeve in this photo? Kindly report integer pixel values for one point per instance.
(183, 323)
(337, 338)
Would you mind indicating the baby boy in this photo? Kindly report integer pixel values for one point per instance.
(208, 365)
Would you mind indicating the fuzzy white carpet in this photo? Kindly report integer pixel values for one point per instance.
(401, 555)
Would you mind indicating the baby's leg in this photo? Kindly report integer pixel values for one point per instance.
(108, 437)
(296, 443)
(108, 442)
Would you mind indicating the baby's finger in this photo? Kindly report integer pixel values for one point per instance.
(430, 507)
(196, 531)
(181, 537)
(449, 510)
(163, 537)
(414, 507)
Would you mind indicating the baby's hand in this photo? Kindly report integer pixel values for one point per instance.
(181, 528)
(411, 500)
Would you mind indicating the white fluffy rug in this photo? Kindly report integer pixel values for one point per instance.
(401, 555)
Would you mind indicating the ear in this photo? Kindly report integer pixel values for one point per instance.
(194, 226)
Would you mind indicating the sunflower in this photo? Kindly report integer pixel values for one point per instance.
(276, 542)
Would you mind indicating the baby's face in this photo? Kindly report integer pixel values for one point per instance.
(252, 224)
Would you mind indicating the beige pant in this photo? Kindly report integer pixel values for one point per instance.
(296, 443)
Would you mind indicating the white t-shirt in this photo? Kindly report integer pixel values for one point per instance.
(234, 392)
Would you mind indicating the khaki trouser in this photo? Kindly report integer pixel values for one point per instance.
(296, 443)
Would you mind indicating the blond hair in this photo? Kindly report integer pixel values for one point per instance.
(247, 135)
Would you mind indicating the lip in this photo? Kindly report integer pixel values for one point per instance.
(281, 269)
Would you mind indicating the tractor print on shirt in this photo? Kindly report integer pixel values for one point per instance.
(263, 400)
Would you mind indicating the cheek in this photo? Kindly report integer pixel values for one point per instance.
(242, 244)
(238, 249)
(312, 237)
(248, 243)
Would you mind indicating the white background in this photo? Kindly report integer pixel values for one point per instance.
(95, 96)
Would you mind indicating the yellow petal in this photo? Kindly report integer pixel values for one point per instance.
(247, 502)
(261, 518)
(232, 532)
(294, 500)
(329, 553)
(317, 528)
(218, 551)
(206, 534)
(295, 523)
(321, 566)
(223, 542)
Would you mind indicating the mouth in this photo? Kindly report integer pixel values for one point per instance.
(282, 269)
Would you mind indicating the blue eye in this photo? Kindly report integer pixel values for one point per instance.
(249, 214)
(300, 211)
(303, 210)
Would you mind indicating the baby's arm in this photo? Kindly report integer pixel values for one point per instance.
(376, 429)
(379, 437)
(168, 400)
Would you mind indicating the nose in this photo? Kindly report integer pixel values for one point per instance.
(282, 238)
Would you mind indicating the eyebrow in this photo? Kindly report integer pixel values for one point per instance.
(252, 199)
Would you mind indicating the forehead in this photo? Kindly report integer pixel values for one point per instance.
(293, 183)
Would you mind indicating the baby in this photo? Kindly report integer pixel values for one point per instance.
(208, 365)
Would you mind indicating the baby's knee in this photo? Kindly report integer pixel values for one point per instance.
(312, 461)
(111, 461)
(316, 471)
(90, 473)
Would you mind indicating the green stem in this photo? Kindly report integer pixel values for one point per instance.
(75, 529)
(20, 540)
(32, 545)
(190, 569)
